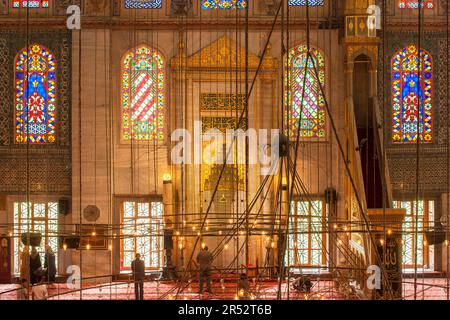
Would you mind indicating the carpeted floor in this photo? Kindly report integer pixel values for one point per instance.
(427, 289)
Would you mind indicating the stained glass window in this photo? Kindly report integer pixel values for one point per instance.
(414, 4)
(309, 115)
(142, 233)
(411, 96)
(418, 215)
(30, 3)
(35, 96)
(306, 241)
(36, 217)
(224, 4)
(311, 3)
(143, 78)
(143, 4)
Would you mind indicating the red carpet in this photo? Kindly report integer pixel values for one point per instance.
(427, 289)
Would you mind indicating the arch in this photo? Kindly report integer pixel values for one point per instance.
(311, 115)
(35, 95)
(142, 95)
(412, 84)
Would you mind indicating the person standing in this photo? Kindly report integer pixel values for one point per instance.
(50, 264)
(243, 287)
(35, 266)
(138, 268)
(25, 264)
(204, 259)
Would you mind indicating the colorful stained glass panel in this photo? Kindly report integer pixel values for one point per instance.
(35, 96)
(30, 3)
(224, 4)
(412, 96)
(414, 4)
(311, 3)
(307, 108)
(143, 4)
(143, 78)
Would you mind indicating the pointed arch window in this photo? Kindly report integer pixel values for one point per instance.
(309, 112)
(412, 89)
(35, 95)
(143, 102)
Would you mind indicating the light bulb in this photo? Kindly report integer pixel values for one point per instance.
(167, 177)
(65, 247)
(88, 246)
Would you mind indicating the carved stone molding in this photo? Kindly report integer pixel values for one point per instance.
(223, 53)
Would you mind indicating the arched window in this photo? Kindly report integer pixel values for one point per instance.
(309, 115)
(35, 95)
(143, 102)
(412, 96)
(224, 4)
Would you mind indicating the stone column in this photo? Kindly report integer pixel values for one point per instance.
(168, 272)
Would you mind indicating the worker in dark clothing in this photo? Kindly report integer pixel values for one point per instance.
(138, 268)
(243, 287)
(302, 284)
(205, 259)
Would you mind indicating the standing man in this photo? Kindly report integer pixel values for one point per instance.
(205, 259)
(138, 268)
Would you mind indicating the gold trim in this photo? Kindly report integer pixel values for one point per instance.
(223, 53)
